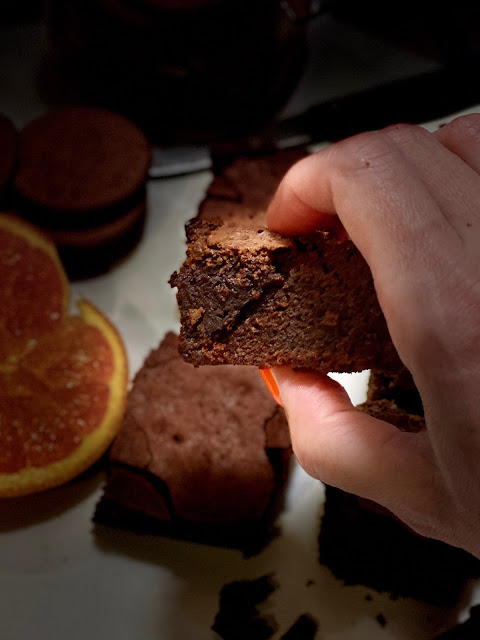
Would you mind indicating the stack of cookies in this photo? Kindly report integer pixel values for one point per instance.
(81, 176)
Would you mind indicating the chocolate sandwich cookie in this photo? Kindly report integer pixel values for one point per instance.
(8, 156)
(81, 176)
(86, 252)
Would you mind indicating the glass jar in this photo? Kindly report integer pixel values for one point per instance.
(185, 70)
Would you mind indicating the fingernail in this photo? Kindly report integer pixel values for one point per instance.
(271, 384)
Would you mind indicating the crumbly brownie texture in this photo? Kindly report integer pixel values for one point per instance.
(203, 453)
(249, 296)
(8, 154)
(364, 546)
(81, 176)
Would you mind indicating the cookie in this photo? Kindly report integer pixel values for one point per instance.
(81, 176)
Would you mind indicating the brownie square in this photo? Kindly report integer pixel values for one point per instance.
(202, 454)
(362, 544)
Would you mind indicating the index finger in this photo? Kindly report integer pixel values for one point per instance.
(367, 181)
(391, 215)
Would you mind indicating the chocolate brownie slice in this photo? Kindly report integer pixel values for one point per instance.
(202, 454)
(398, 387)
(394, 398)
(363, 543)
(239, 616)
(252, 297)
(249, 296)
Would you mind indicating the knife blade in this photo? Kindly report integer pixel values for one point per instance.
(414, 99)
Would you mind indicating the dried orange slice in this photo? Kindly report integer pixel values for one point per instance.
(63, 378)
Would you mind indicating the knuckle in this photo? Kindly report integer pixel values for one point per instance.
(465, 127)
(403, 133)
(371, 151)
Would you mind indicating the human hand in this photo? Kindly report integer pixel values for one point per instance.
(410, 200)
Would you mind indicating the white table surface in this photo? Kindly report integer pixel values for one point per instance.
(58, 581)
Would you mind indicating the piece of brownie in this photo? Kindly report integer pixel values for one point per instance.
(239, 616)
(389, 411)
(397, 387)
(394, 398)
(250, 296)
(364, 545)
(81, 176)
(203, 454)
(248, 181)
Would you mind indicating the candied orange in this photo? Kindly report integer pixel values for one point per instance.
(63, 378)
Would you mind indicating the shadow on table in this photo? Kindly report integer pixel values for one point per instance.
(17, 513)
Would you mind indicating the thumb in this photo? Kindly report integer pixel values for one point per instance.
(349, 449)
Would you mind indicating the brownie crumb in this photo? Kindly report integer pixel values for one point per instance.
(244, 595)
(381, 619)
(238, 616)
(304, 628)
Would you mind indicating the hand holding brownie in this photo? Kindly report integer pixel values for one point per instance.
(409, 199)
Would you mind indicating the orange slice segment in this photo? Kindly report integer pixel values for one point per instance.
(34, 292)
(63, 389)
